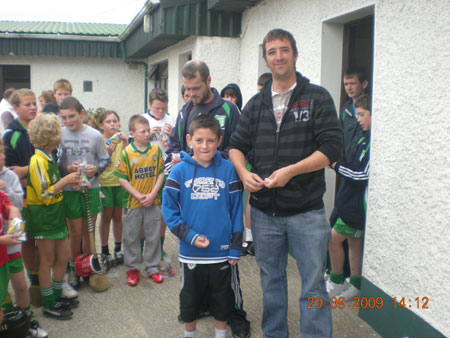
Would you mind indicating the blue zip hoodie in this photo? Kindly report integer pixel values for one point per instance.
(204, 201)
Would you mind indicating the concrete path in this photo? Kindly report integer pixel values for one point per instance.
(151, 310)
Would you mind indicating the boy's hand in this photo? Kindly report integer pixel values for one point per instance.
(20, 171)
(111, 148)
(75, 166)
(2, 184)
(154, 130)
(90, 170)
(9, 239)
(167, 129)
(232, 262)
(176, 158)
(201, 242)
(73, 178)
(147, 200)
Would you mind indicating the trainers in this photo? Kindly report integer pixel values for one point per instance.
(106, 261)
(245, 245)
(69, 303)
(68, 291)
(74, 279)
(132, 277)
(118, 257)
(241, 333)
(350, 293)
(334, 289)
(36, 331)
(157, 277)
(57, 311)
(251, 249)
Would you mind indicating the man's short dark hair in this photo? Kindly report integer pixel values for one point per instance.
(205, 122)
(71, 103)
(136, 119)
(363, 102)
(279, 34)
(158, 94)
(191, 68)
(359, 72)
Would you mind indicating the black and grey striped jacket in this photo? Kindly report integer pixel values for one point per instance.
(310, 124)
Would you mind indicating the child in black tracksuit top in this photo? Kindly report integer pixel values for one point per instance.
(349, 215)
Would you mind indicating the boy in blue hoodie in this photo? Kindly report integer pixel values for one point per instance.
(202, 206)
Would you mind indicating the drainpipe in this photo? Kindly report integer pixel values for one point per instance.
(124, 55)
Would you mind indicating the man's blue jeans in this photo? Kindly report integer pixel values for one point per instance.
(309, 235)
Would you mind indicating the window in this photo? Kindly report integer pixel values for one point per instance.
(14, 76)
(159, 73)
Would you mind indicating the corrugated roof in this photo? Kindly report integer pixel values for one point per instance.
(62, 28)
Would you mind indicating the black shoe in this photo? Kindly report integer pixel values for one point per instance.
(251, 249)
(57, 311)
(245, 245)
(69, 303)
(181, 321)
(241, 333)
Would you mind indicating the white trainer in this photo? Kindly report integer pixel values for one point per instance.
(36, 331)
(68, 291)
(350, 293)
(334, 289)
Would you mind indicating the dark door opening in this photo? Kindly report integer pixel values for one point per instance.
(14, 76)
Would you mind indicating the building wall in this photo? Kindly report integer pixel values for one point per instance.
(406, 245)
(115, 85)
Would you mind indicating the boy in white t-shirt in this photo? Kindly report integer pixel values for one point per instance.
(161, 125)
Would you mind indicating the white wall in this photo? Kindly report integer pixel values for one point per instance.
(115, 85)
(406, 246)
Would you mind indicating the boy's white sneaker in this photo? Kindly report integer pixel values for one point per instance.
(334, 289)
(350, 293)
(68, 291)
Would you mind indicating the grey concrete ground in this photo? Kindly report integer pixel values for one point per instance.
(151, 310)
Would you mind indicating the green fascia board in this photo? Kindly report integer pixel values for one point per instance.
(392, 321)
(49, 47)
(61, 28)
(231, 5)
(173, 21)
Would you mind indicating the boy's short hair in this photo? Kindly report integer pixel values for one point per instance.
(363, 102)
(8, 92)
(206, 122)
(190, 69)
(90, 121)
(44, 129)
(158, 94)
(359, 72)
(62, 84)
(19, 93)
(136, 119)
(263, 78)
(230, 92)
(71, 103)
(279, 34)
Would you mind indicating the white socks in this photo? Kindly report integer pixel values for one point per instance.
(220, 333)
(248, 235)
(189, 334)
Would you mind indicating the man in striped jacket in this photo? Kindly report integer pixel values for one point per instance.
(291, 131)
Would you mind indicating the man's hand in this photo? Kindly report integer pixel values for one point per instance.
(201, 242)
(252, 182)
(279, 178)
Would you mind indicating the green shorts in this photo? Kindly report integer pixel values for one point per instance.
(15, 265)
(4, 280)
(112, 196)
(75, 204)
(345, 230)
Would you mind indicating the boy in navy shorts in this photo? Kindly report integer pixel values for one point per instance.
(202, 206)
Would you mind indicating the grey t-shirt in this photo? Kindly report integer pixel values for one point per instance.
(84, 146)
(280, 102)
